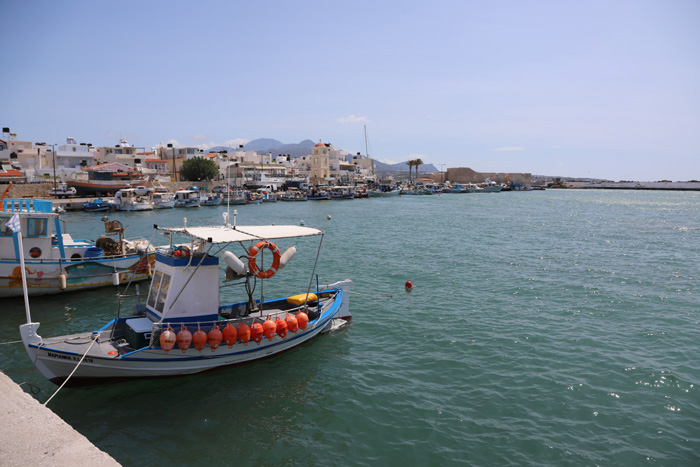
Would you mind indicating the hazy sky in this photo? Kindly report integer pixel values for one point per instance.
(604, 89)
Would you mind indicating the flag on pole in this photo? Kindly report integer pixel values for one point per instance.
(14, 224)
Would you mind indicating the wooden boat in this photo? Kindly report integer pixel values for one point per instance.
(187, 199)
(128, 199)
(182, 328)
(55, 262)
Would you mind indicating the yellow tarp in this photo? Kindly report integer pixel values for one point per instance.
(301, 298)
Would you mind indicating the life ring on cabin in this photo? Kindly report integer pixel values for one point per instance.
(252, 265)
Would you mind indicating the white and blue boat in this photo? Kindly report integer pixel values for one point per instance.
(55, 262)
(182, 328)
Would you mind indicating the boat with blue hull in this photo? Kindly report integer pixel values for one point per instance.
(182, 328)
(55, 262)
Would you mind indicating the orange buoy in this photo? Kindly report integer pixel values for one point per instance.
(244, 333)
(269, 328)
(199, 339)
(214, 338)
(228, 335)
(292, 323)
(256, 332)
(184, 339)
(303, 320)
(281, 327)
(409, 286)
(167, 340)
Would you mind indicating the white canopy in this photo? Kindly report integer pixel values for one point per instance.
(222, 234)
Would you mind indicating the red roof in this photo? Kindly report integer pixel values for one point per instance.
(154, 160)
(11, 173)
(320, 145)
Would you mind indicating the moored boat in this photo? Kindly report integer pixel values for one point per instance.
(162, 200)
(187, 199)
(55, 262)
(128, 199)
(98, 205)
(182, 328)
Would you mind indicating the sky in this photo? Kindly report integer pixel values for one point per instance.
(601, 89)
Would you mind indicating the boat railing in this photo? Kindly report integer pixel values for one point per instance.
(26, 205)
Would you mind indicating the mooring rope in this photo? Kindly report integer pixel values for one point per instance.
(12, 342)
(71, 373)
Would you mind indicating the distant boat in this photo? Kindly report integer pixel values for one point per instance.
(187, 199)
(63, 191)
(98, 205)
(342, 192)
(55, 262)
(105, 179)
(383, 191)
(292, 195)
(127, 200)
(162, 200)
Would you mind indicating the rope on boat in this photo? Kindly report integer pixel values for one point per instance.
(71, 373)
(12, 342)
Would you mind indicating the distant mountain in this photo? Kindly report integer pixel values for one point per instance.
(265, 145)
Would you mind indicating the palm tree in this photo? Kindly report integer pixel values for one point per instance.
(410, 165)
(417, 162)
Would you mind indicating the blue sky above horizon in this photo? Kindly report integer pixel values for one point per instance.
(591, 89)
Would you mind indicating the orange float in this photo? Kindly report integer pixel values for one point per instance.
(253, 266)
(199, 339)
(303, 320)
(281, 327)
(256, 332)
(269, 328)
(215, 337)
(167, 340)
(184, 339)
(292, 323)
(229, 335)
(244, 333)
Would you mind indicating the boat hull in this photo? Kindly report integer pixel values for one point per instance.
(43, 277)
(56, 360)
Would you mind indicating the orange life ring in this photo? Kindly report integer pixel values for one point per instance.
(253, 266)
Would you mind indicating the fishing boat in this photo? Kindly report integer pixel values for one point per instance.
(489, 186)
(182, 328)
(342, 192)
(210, 199)
(318, 194)
(55, 261)
(187, 199)
(162, 200)
(98, 205)
(103, 179)
(127, 199)
(293, 195)
(384, 191)
(62, 190)
(253, 197)
(237, 197)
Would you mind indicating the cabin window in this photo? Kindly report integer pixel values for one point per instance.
(159, 290)
(155, 284)
(37, 227)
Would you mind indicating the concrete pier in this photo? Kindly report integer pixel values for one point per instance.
(31, 434)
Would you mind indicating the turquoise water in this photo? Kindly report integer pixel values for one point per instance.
(545, 328)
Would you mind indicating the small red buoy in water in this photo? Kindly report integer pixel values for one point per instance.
(409, 286)
(229, 335)
(256, 332)
(292, 323)
(199, 339)
(244, 333)
(167, 339)
(269, 327)
(303, 320)
(281, 327)
(184, 339)
(215, 337)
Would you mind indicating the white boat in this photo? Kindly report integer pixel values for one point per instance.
(62, 190)
(383, 192)
(210, 199)
(127, 199)
(343, 192)
(489, 186)
(183, 328)
(162, 200)
(187, 199)
(55, 262)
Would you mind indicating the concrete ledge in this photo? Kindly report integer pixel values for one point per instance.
(31, 434)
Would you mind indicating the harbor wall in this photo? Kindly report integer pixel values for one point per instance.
(31, 434)
(467, 175)
(679, 186)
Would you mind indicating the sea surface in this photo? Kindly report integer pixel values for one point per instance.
(559, 327)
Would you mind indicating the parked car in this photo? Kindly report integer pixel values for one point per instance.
(142, 190)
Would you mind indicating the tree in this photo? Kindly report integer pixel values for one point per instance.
(417, 163)
(410, 168)
(198, 169)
